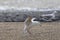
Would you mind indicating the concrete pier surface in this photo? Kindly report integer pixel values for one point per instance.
(14, 31)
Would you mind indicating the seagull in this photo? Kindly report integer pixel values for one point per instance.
(49, 17)
(28, 23)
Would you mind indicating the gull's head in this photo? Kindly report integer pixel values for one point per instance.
(33, 18)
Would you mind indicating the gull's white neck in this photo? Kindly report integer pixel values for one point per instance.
(32, 20)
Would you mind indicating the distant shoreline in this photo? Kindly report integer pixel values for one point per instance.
(27, 8)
